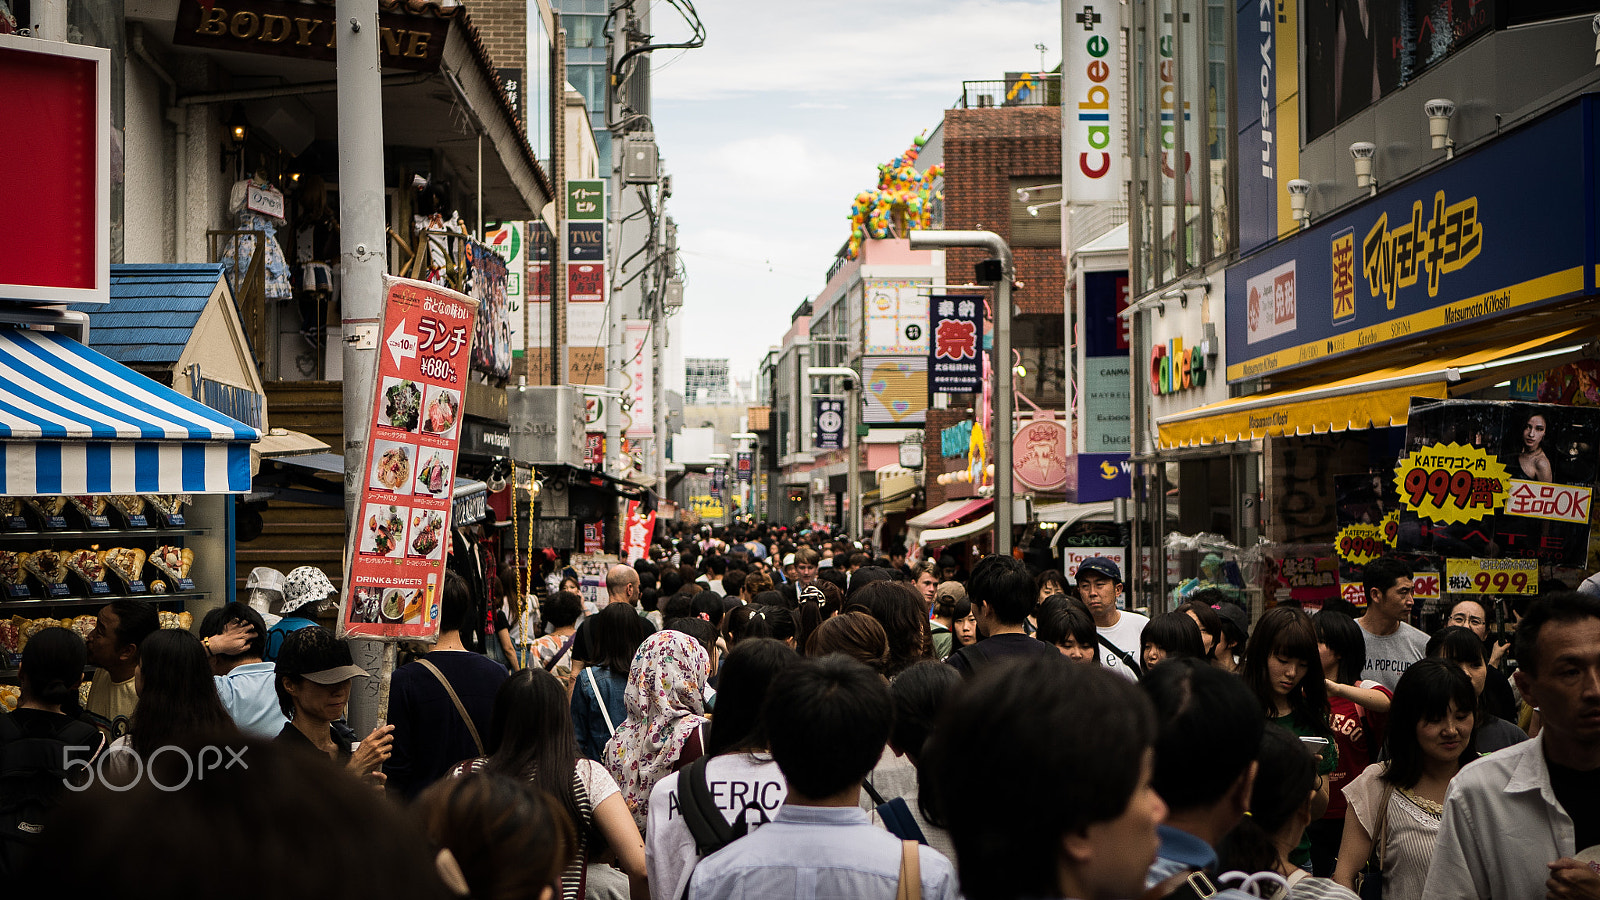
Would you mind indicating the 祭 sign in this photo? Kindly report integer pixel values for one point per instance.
(395, 556)
(1499, 480)
(1091, 104)
(955, 346)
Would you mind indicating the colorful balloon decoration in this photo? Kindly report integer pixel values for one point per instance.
(903, 200)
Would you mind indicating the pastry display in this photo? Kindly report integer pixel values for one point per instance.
(176, 620)
(90, 505)
(10, 507)
(168, 504)
(48, 566)
(10, 696)
(174, 561)
(11, 635)
(84, 625)
(86, 564)
(11, 567)
(126, 562)
(48, 507)
(31, 627)
(128, 504)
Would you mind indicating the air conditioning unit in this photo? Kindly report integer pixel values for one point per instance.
(641, 163)
(672, 298)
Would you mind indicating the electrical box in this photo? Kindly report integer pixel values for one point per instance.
(641, 162)
(672, 297)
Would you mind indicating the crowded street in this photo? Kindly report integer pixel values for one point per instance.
(985, 449)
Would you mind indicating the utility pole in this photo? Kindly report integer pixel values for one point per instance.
(362, 260)
(999, 364)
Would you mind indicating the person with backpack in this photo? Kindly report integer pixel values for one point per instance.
(1003, 596)
(735, 787)
(599, 695)
(39, 741)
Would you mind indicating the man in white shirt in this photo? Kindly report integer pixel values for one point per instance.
(1100, 582)
(1517, 822)
(1392, 644)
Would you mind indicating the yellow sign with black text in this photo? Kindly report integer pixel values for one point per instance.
(1452, 483)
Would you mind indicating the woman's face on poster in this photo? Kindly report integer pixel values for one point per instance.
(1533, 433)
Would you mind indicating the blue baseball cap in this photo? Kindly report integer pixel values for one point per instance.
(1100, 566)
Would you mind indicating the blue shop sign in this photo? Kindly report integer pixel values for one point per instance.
(1104, 476)
(1502, 230)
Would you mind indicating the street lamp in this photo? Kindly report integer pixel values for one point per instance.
(852, 411)
(999, 363)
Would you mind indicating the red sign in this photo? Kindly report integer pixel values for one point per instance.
(594, 537)
(394, 559)
(637, 528)
(55, 223)
(595, 449)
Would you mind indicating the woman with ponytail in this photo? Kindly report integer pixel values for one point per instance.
(1280, 808)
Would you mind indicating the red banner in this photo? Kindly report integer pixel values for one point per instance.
(637, 529)
(395, 556)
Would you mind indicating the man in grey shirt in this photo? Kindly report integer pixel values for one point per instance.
(1392, 643)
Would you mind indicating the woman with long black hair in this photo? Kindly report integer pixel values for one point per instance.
(1283, 666)
(1396, 806)
(598, 704)
(178, 705)
(531, 738)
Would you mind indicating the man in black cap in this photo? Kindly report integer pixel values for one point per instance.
(1100, 583)
(314, 674)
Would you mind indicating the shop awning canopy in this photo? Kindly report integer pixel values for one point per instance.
(73, 421)
(958, 532)
(1378, 399)
(949, 511)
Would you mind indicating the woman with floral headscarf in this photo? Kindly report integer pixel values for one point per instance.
(666, 709)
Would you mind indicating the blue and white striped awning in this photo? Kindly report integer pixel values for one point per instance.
(73, 421)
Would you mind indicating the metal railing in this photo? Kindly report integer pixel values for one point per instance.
(1016, 89)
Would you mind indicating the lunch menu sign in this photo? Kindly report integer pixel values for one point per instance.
(394, 557)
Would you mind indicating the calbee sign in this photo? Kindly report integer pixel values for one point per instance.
(1091, 117)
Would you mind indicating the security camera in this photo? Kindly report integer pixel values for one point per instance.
(1298, 189)
(1439, 112)
(1362, 152)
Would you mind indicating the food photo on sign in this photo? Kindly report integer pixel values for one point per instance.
(1498, 480)
(395, 560)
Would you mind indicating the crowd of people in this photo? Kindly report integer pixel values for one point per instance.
(756, 714)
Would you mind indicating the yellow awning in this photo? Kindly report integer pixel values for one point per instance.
(1375, 400)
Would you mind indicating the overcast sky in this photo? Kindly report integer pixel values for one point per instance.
(773, 127)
